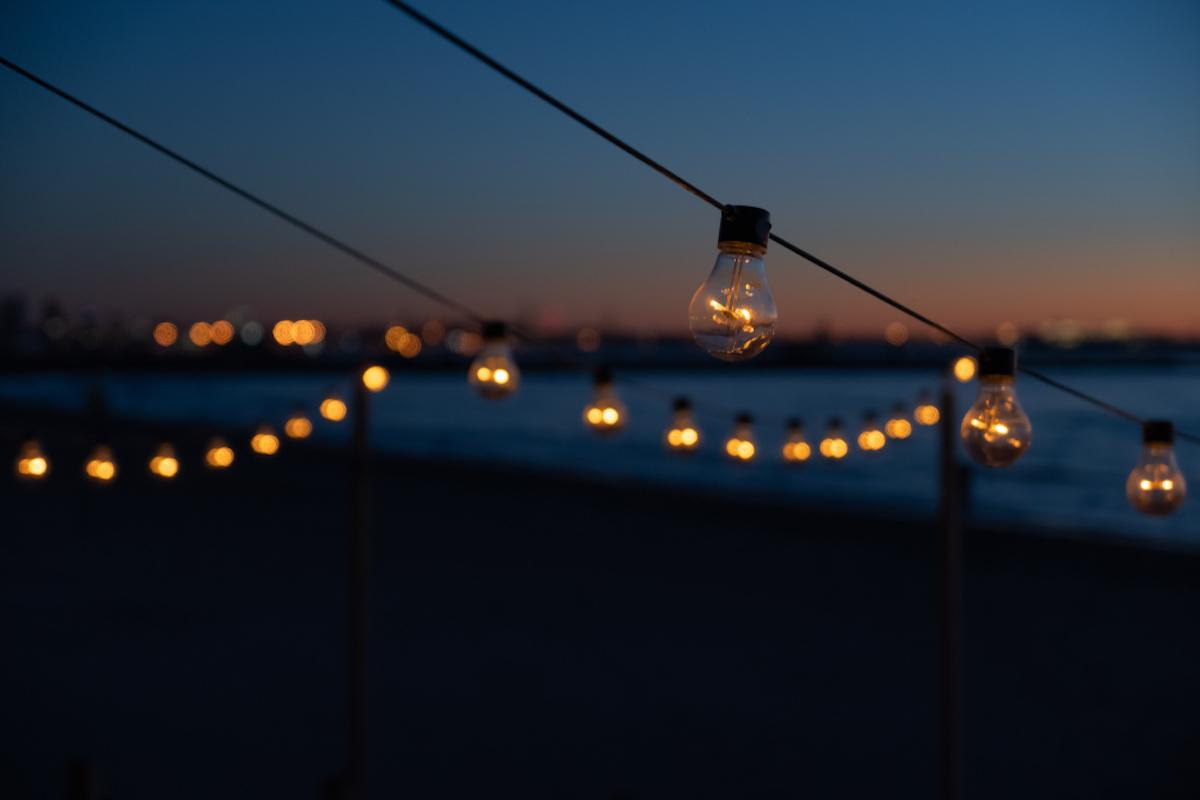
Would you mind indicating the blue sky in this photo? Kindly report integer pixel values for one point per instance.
(984, 162)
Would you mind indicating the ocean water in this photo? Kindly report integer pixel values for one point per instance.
(1073, 476)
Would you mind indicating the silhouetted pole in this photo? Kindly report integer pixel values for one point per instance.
(950, 602)
(359, 582)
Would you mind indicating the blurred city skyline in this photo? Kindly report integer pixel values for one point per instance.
(1030, 163)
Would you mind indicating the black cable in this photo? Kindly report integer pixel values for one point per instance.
(358, 255)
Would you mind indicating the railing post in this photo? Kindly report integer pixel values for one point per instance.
(359, 553)
(950, 602)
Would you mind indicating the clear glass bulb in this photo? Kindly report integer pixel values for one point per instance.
(926, 412)
(606, 414)
(219, 454)
(834, 444)
(164, 463)
(996, 432)
(796, 449)
(733, 314)
(101, 466)
(494, 372)
(898, 427)
(32, 463)
(871, 437)
(684, 435)
(742, 446)
(1156, 486)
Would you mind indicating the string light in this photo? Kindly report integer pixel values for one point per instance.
(926, 412)
(494, 372)
(741, 446)
(898, 427)
(795, 449)
(834, 444)
(101, 466)
(200, 334)
(222, 333)
(684, 435)
(264, 442)
(298, 425)
(219, 455)
(333, 408)
(165, 334)
(965, 368)
(871, 437)
(732, 315)
(375, 378)
(164, 464)
(284, 332)
(606, 414)
(32, 463)
(1156, 486)
(995, 431)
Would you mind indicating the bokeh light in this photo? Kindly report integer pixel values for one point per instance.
(298, 426)
(284, 332)
(219, 454)
(333, 409)
(165, 334)
(164, 463)
(200, 334)
(32, 462)
(588, 340)
(252, 333)
(375, 378)
(964, 368)
(432, 332)
(1007, 334)
(303, 332)
(101, 466)
(927, 414)
(896, 334)
(898, 428)
(221, 332)
(264, 442)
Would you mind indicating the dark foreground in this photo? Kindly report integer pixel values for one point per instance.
(536, 636)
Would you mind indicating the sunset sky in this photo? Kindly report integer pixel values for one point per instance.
(986, 162)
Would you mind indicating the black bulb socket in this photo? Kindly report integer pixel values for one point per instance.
(997, 361)
(744, 418)
(744, 224)
(493, 330)
(795, 424)
(682, 404)
(1158, 431)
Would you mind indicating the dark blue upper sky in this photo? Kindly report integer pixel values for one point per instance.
(986, 162)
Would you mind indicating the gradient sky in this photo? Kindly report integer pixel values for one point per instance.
(984, 162)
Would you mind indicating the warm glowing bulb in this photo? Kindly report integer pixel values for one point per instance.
(871, 437)
(1156, 486)
(298, 426)
(834, 444)
(741, 445)
(926, 412)
(606, 413)
(964, 368)
(101, 466)
(375, 378)
(683, 436)
(165, 334)
(494, 372)
(898, 427)
(995, 431)
(264, 442)
(31, 461)
(733, 314)
(795, 448)
(333, 409)
(219, 454)
(164, 464)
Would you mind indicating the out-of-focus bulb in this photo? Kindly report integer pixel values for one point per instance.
(32, 463)
(733, 314)
(101, 466)
(494, 372)
(1156, 486)
(741, 446)
(219, 455)
(926, 412)
(965, 368)
(796, 449)
(606, 414)
(898, 427)
(995, 430)
(375, 378)
(164, 464)
(298, 425)
(684, 435)
(834, 444)
(333, 408)
(871, 437)
(264, 442)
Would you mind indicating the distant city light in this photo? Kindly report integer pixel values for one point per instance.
(252, 333)
(588, 340)
(200, 334)
(432, 332)
(165, 334)
(1007, 334)
(896, 334)
(284, 332)
(221, 332)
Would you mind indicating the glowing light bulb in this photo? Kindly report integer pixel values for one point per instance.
(965, 368)
(1156, 486)
(264, 442)
(101, 466)
(834, 444)
(796, 449)
(871, 437)
(926, 412)
(375, 378)
(742, 446)
(733, 314)
(333, 408)
(298, 425)
(164, 463)
(684, 434)
(219, 455)
(494, 372)
(995, 431)
(898, 427)
(32, 463)
(606, 414)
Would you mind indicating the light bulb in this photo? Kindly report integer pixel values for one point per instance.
(264, 442)
(32, 463)
(164, 464)
(733, 315)
(606, 414)
(684, 435)
(741, 446)
(926, 412)
(965, 368)
(494, 372)
(871, 437)
(796, 449)
(375, 378)
(298, 425)
(333, 408)
(101, 466)
(898, 427)
(1156, 486)
(995, 431)
(834, 444)
(219, 455)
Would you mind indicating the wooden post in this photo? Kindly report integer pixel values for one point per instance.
(950, 602)
(358, 584)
